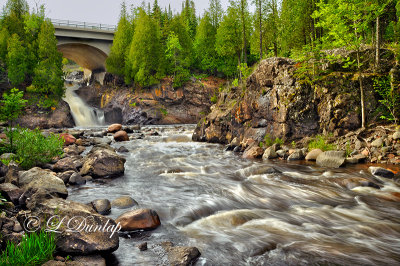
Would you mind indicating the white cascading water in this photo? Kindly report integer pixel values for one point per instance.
(84, 115)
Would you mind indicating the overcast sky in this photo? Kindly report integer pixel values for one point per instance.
(103, 11)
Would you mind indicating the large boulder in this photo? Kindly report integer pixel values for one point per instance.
(102, 206)
(37, 178)
(103, 163)
(313, 154)
(114, 128)
(270, 153)
(123, 202)
(332, 159)
(68, 139)
(79, 229)
(121, 136)
(141, 219)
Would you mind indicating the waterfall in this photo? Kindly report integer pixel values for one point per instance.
(83, 114)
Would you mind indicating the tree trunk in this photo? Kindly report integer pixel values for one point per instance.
(378, 43)
(361, 90)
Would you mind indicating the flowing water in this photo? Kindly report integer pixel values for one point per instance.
(236, 215)
(83, 114)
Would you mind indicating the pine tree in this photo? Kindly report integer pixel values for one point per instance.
(216, 12)
(204, 45)
(115, 63)
(144, 60)
(174, 53)
(48, 74)
(16, 60)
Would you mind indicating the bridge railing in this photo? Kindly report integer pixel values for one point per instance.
(83, 25)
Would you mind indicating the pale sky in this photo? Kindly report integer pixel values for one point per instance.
(102, 11)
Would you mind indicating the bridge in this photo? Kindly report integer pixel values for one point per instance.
(87, 44)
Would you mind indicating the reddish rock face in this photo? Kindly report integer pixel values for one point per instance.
(114, 128)
(142, 219)
(121, 136)
(68, 138)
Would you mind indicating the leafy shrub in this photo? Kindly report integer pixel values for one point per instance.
(320, 142)
(34, 249)
(268, 141)
(390, 98)
(32, 148)
(214, 99)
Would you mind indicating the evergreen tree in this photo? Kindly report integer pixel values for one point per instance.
(174, 53)
(204, 45)
(144, 60)
(48, 78)
(216, 12)
(4, 35)
(115, 63)
(15, 11)
(16, 60)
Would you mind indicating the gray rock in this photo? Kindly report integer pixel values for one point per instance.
(36, 178)
(77, 242)
(66, 175)
(122, 149)
(313, 154)
(97, 141)
(77, 179)
(93, 260)
(269, 153)
(142, 246)
(124, 202)
(332, 159)
(281, 153)
(358, 145)
(102, 206)
(7, 156)
(11, 192)
(377, 143)
(296, 156)
(68, 163)
(382, 172)
(181, 256)
(396, 135)
(103, 163)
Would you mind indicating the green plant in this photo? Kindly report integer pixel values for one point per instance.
(2, 200)
(293, 144)
(132, 104)
(278, 141)
(32, 148)
(320, 142)
(11, 108)
(214, 99)
(348, 149)
(34, 249)
(235, 82)
(164, 111)
(390, 98)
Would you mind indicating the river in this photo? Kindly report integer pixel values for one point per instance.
(236, 215)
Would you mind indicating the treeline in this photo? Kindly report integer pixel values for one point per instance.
(28, 52)
(151, 43)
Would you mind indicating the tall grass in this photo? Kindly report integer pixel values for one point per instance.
(34, 249)
(320, 142)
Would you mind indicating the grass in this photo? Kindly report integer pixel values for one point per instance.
(320, 142)
(34, 249)
(268, 141)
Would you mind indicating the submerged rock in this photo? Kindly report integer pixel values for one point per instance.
(141, 219)
(180, 256)
(382, 172)
(124, 202)
(102, 206)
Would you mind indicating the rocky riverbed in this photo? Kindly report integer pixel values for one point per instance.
(173, 200)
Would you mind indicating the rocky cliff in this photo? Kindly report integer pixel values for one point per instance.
(161, 104)
(276, 101)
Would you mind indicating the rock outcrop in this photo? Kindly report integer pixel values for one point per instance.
(103, 163)
(281, 103)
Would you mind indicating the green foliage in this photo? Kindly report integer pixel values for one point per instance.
(16, 60)
(34, 249)
(174, 53)
(164, 111)
(144, 61)
(321, 142)
(115, 63)
(214, 99)
(390, 98)
(204, 45)
(48, 78)
(12, 105)
(2, 200)
(33, 148)
(268, 141)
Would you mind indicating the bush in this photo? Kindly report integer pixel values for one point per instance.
(32, 148)
(268, 141)
(214, 99)
(34, 249)
(390, 99)
(320, 142)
